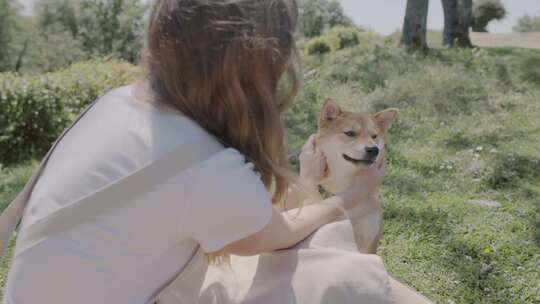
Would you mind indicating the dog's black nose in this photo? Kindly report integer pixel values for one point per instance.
(372, 151)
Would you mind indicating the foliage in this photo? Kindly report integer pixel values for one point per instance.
(335, 39)
(336, 15)
(111, 28)
(35, 109)
(50, 49)
(343, 37)
(485, 11)
(63, 32)
(61, 13)
(528, 24)
(318, 46)
(8, 15)
(320, 14)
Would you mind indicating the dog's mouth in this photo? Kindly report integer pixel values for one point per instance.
(358, 161)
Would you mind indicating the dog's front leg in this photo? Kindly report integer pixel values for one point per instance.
(366, 220)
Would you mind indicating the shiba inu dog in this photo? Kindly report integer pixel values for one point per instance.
(352, 141)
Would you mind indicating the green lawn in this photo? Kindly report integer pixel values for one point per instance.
(469, 128)
(435, 240)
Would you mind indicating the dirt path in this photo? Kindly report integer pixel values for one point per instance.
(524, 40)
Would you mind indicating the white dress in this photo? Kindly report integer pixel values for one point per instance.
(129, 254)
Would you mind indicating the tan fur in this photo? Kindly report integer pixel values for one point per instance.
(331, 139)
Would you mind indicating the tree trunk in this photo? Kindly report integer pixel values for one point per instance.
(457, 21)
(413, 37)
(451, 22)
(465, 17)
(18, 65)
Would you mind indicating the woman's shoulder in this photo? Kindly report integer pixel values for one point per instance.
(156, 127)
(115, 137)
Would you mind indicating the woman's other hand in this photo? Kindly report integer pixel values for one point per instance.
(312, 163)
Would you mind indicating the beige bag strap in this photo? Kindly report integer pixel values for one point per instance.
(119, 193)
(13, 212)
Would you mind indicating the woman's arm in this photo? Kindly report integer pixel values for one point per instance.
(287, 228)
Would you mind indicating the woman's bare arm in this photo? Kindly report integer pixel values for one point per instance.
(287, 228)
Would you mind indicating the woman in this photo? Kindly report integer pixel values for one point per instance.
(214, 70)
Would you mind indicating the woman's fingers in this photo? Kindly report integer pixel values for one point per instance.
(309, 146)
(312, 162)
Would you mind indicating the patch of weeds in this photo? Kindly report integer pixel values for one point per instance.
(530, 69)
(462, 141)
(510, 170)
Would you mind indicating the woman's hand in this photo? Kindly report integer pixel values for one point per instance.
(364, 182)
(312, 163)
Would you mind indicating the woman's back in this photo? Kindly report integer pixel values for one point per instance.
(125, 256)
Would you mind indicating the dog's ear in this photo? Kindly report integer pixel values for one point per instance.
(385, 118)
(330, 110)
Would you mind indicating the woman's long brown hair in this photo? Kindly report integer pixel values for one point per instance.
(220, 62)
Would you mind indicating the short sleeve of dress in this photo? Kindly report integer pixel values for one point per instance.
(226, 201)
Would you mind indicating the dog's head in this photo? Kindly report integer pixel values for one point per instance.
(350, 141)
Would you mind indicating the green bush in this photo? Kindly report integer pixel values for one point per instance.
(484, 11)
(35, 109)
(510, 170)
(528, 24)
(343, 37)
(530, 69)
(318, 46)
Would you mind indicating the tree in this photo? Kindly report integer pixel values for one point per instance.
(316, 15)
(50, 49)
(58, 12)
(528, 24)
(414, 26)
(336, 16)
(485, 11)
(8, 24)
(457, 21)
(103, 28)
(112, 28)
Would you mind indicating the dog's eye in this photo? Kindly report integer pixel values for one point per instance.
(350, 133)
(374, 136)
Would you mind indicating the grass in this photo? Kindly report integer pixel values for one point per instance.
(468, 129)
(435, 240)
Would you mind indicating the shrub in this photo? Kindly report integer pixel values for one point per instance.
(8, 14)
(530, 70)
(35, 109)
(484, 11)
(528, 24)
(342, 37)
(318, 46)
(510, 170)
